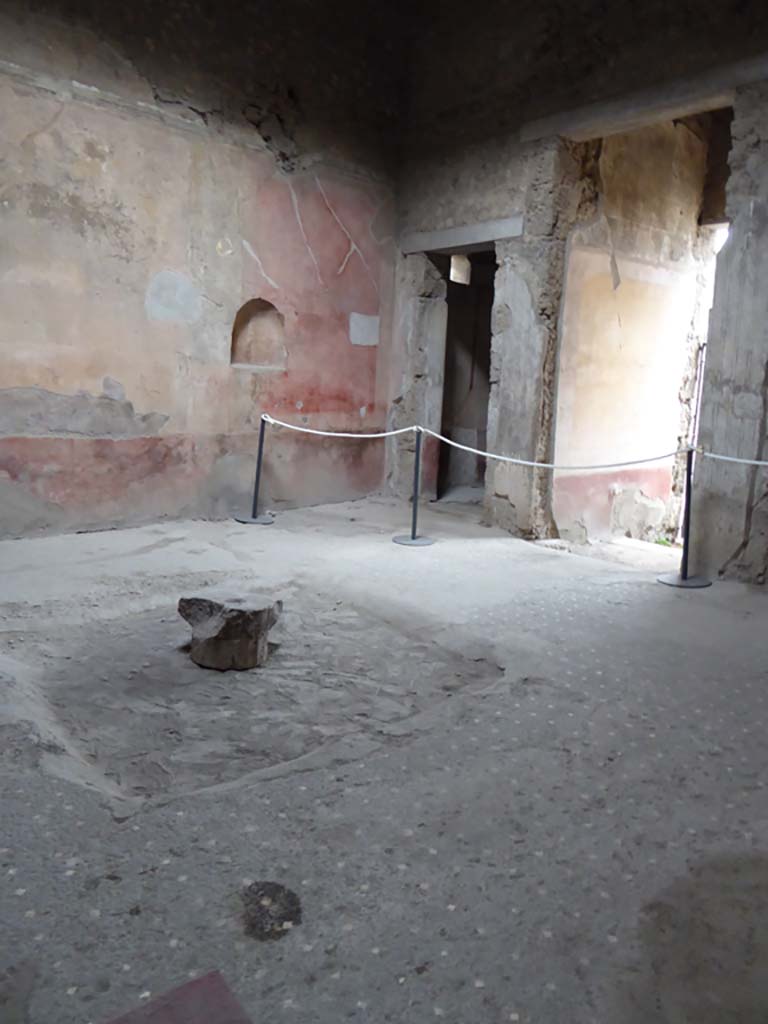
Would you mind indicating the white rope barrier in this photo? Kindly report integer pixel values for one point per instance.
(333, 433)
(474, 451)
(510, 458)
(551, 465)
(680, 579)
(732, 458)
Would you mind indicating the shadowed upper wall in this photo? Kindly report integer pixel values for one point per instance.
(477, 76)
(300, 74)
(478, 73)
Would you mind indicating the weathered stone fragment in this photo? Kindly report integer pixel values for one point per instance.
(230, 632)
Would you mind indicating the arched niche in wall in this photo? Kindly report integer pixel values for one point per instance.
(258, 337)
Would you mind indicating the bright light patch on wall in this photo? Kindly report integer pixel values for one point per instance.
(721, 236)
(461, 270)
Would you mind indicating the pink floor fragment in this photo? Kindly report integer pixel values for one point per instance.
(205, 1000)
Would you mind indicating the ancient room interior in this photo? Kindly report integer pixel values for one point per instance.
(281, 283)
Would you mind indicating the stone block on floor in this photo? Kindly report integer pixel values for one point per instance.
(229, 631)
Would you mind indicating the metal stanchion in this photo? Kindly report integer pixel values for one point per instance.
(414, 540)
(254, 517)
(682, 579)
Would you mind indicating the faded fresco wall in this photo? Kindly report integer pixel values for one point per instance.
(132, 233)
(627, 331)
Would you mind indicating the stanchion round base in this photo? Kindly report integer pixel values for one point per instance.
(413, 542)
(674, 579)
(265, 520)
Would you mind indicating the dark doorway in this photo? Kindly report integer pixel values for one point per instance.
(467, 374)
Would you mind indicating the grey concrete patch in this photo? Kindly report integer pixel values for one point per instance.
(112, 388)
(35, 412)
(24, 512)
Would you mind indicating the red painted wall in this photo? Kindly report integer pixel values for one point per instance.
(180, 230)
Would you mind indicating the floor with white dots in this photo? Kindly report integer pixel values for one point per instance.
(507, 782)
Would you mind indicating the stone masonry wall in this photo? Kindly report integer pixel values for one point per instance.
(730, 513)
(525, 332)
(419, 327)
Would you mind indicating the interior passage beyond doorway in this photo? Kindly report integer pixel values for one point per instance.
(467, 372)
(638, 290)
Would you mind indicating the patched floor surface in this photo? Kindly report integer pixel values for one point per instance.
(506, 782)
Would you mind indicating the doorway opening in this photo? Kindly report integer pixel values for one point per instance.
(638, 289)
(466, 383)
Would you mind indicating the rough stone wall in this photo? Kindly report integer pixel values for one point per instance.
(692, 380)
(419, 327)
(142, 204)
(525, 325)
(445, 186)
(730, 513)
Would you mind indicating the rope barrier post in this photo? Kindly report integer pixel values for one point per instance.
(254, 517)
(682, 579)
(414, 540)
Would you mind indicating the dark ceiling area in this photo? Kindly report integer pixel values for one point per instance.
(402, 72)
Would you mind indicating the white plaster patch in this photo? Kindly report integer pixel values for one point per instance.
(363, 411)
(174, 298)
(363, 330)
